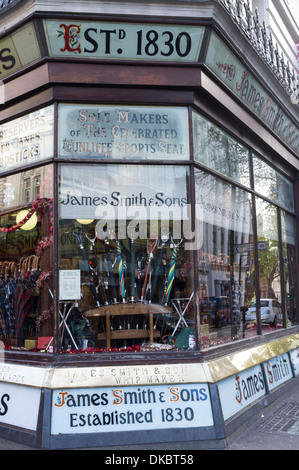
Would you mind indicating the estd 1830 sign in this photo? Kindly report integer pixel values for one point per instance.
(123, 40)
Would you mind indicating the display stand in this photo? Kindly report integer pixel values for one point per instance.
(127, 309)
(181, 305)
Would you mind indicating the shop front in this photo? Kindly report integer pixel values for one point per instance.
(148, 243)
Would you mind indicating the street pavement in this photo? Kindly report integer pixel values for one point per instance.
(276, 427)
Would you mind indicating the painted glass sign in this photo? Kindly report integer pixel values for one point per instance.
(226, 66)
(239, 391)
(123, 40)
(123, 132)
(278, 370)
(18, 50)
(106, 409)
(27, 139)
(123, 192)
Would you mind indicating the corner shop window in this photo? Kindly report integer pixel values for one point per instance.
(225, 256)
(219, 151)
(26, 260)
(124, 268)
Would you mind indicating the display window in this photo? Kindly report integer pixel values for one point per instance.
(126, 277)
(26, 259)
(158, 245)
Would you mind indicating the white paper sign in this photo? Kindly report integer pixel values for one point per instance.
(69, 284)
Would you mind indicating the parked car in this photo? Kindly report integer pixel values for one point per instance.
(270, 311)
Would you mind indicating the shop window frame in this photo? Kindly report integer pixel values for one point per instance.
(192, 164)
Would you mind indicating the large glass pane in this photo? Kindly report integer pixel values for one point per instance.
(269, 266)
(272, 184)
(125, 276)
(289, 264)
(219, 151)
(225, 259)
(26, 260)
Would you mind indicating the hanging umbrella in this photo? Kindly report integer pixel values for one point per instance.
(171, 270)
(24, 294)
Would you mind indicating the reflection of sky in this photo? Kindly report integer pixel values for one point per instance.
(221, 204)
(216, 149)
(271, 184)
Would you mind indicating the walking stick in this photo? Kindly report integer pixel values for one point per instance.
(151, 246)
(132, 234)
(98, 271)
(164, 239)
(80, 244)
(121, 272)
(110, 269)
(171, 270)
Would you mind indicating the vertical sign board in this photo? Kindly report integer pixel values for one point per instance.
(134, 408)
(239, 391)
(19, 405)
(278, 370)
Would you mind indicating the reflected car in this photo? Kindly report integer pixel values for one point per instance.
(270, 312)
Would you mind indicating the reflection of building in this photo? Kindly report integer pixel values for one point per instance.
(155, 112)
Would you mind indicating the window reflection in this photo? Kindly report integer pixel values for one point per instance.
(289, 263)
(269, 266)
(225, 259)
(217, 150)
(272, 184)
